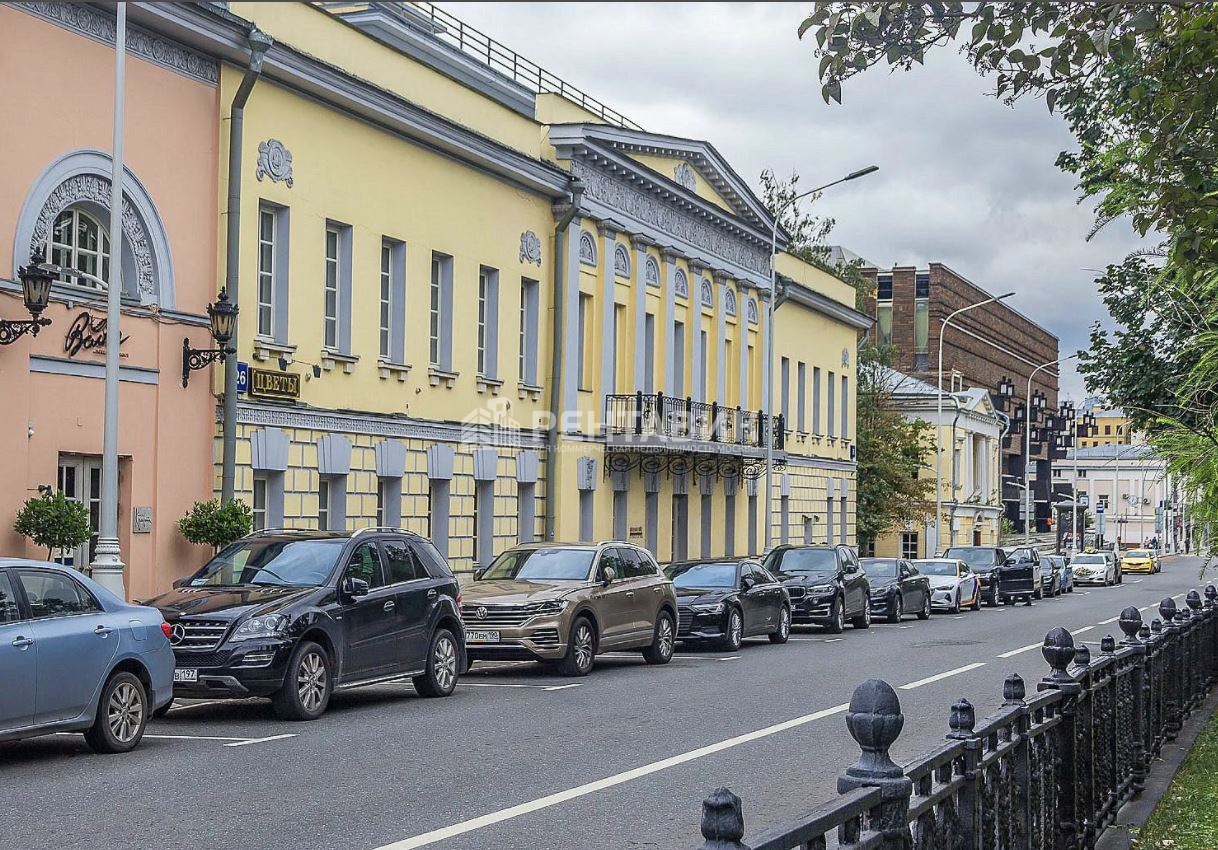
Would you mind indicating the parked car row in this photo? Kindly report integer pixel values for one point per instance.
(298, 615)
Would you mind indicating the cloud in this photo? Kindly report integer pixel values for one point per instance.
(963, 179)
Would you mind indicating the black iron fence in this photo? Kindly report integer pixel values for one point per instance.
(655, 414)
(1046, 771)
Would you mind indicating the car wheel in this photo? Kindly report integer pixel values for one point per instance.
(122, 714)
(581, 649)
(733, 633)
(443, 659)
(895, 609)
(163, 710)
(992, 600)
(924, 614)
(307, 686)
(863, 620)
(783, 633)
(662, 641)
(837, 617)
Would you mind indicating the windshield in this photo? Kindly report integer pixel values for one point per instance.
(702, 575)
(267, 561)
(821, 562)
(880, 567)
(937, 568)
(1137, 553)
(541, 565)
(1088, 559)
(972, 556)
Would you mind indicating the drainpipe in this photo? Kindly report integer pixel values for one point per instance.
(259, 43)
(951, 522)
(575, 190)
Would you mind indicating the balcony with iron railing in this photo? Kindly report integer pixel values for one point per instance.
(656, 421)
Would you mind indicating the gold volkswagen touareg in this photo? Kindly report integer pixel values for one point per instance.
(566, 602)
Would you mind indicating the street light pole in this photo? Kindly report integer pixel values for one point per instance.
(107, 564)
(769, 342)
(939, 419)
(1027, 445)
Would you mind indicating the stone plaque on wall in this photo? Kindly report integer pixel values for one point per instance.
(141, 520)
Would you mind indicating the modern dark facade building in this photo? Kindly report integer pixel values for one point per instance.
(995, 347)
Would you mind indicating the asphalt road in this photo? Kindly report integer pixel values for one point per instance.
(519, 759)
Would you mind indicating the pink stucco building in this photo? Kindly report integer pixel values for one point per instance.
(55, 140)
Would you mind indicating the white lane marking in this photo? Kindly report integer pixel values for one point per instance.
(1080, 631)
(179, 737)
(196, 705)
(564, 687)
(1109, 620)
(938, 676)
(262, 740)
(961, 617)
(904, 627)
(489, 666)
(833, 640)
(1013, 652)
(518, 685)
(729, 658)
(1136, 580)
(427, 838)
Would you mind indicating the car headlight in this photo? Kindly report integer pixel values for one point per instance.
(551, 606)
(820, 588)
(269, 626)
(708, 608)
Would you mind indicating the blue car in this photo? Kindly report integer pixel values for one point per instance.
(1067, 574)
(76, 658)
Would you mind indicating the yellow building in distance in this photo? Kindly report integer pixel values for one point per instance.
(490, 311)
(1111, 426)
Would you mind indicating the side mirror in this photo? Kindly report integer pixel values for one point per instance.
(479, 573)
(608, 576)
(354, 588)
(1009, 562)
(747, 583)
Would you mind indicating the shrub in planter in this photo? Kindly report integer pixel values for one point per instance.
(217, 525)
(54, 521)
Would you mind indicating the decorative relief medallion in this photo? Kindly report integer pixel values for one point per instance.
(729, 302)
(708, 293)
(620, 194)
(845, 356)
(752, 311)
(96, 189)
(651, 272)
(684, 174)
(621, 261)
(587, 248)
(530, 248)
(681, 285)
(274, 161)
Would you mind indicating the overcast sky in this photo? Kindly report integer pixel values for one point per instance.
(963, 180)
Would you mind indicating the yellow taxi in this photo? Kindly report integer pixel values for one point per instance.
(1139, 561)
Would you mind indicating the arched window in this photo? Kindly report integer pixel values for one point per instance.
(708, 293)
(651, 272)
(587, 248)
(681, 285)
(621, 261)
(752, 311)
(729, 302)
(79, 241)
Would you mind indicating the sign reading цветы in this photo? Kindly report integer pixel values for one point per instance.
(264, 383)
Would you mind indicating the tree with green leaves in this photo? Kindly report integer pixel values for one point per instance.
(53, 521)
(215, 525)
(889, 448)
(1137, 83)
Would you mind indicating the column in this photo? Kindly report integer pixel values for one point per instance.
(742, 343)
(721, 337)
(609, 352)
(670, 318)
(570, 306)
(638, 286)
(693, 326)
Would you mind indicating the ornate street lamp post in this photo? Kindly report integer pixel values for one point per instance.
(36, 281)
(223, 315)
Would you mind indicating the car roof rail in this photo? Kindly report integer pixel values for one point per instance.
(382, 529)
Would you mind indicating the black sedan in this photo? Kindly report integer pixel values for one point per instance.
(897, 588)
(723, 601)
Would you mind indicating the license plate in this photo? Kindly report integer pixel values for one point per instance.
(185, 674)
(481, 636)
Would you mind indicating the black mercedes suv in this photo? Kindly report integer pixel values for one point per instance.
(296, 615)
(826, 585)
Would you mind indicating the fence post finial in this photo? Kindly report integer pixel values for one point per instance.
(1194, 600)
(1156, 626)
(1167, 610)
(1211, 593)
(1131, 624)
(1108, 645)
(722, 821)
(874, 720)
(1058, 652)
(963, 719)
(1082, 656)
(1013, 690)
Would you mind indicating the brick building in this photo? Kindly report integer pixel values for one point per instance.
(995, 347)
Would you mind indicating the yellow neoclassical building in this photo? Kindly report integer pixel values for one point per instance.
(478, 303)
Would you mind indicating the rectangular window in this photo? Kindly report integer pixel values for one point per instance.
(831, 406)
(389, 502)
(528, 331)
(266, 272)
(703, 364)
(649, 353)
(330, 314)
(921, 326)
(488, 322)
(621, 327)
(784, 391)
(801, 397)
(260, 521)
(440, 312)
(816, 400)
(730, 372)
(585, 341)
(323, 505)
(883, 287)
(883, 311)
(746, 392)
(845, 403)
(386, 312)
(909, 545)
(922, 285)
(678, 359)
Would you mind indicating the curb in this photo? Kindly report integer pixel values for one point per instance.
(1134, 814)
